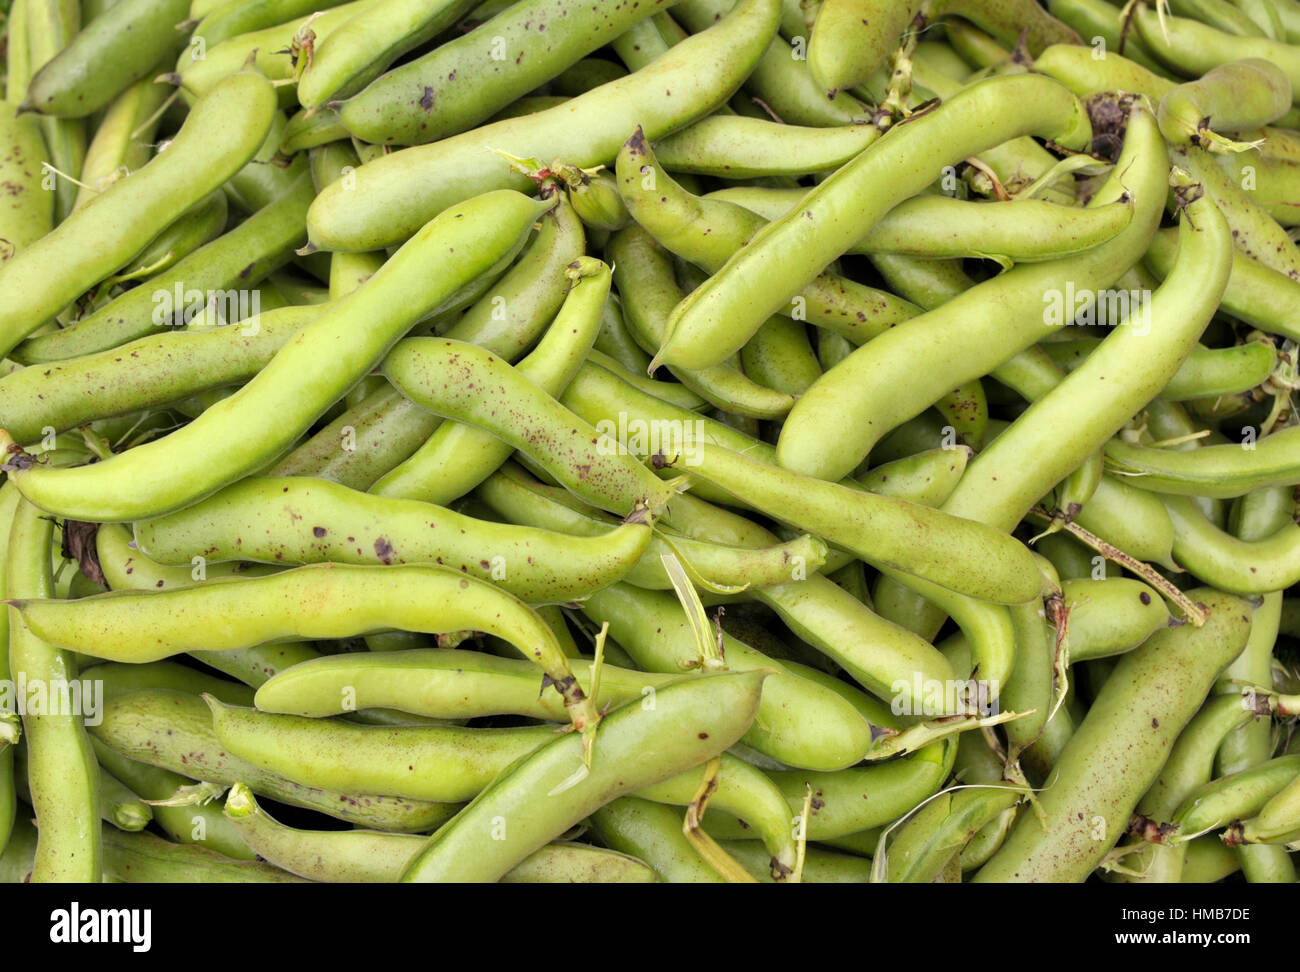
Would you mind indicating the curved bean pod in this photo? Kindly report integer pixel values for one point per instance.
(223, 129)
(457, 457)
(465, 81)
(800, 723)
(1110, 616)
(707, 232)
(396, 193)
(27, 210)
(1234, 97)
(788, 253)
(362, 48)
(1129, 369)
(290, 520)
(173, 731)
(1118, 750)
(975, 561)
(1236, 796)
(62, 772)
(693, 721)
(362, 856)
(317, 601)
(109, 54)
(736, 147)
(1217, 470)
(1206, 373)
(338, 349)
(1024, 296)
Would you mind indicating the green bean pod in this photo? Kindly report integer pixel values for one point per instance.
(289, 520)
(224, 128)
(364, 46)
(653, 833)
(858, 385)
(462, 382)
(441, 683)
(1194, 48)
(51, 26)
(643, 274)
(800, 723)
(27, 210)
(1274, 184)
(517, 498)
(271, 50)
(780, 356)
(201, 824)
(1110, 616)
(1118, 750)
(117, 804)
(1093, 19)
(457, 457)
(516, 310)
(586, 131)
(111, 53)
(1206, 373)
(1256, 294)
(1190, 765)
(1111, 385)
(200, 224)
(440, 764)
(465, 81)
(851, 39)
(62, 773)
(173, 731)
(219, 20)
(1278, 821)
(1237, 796)
(361, 856)
(852, 800)
(217, 274)
(9, 721)
(736, 147)
(1271, 563)
(123, 142)
(926, 478)
(170, 473)
(329, 601)
(1254, 232)
(1217, 470)
(146, 859)
(536, 800)
(1234, 97)
(972, 560)
(708, 231)
(365, 443)
(787, 254)
(935, 227)
(919, 849)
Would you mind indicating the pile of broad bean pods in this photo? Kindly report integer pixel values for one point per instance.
(677, 440)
